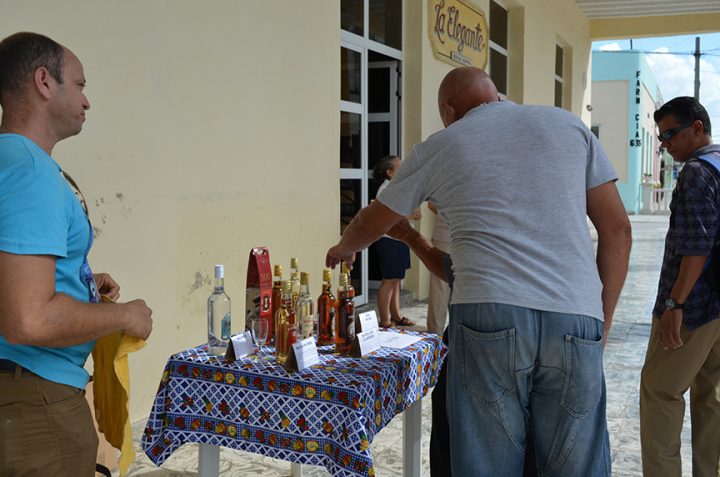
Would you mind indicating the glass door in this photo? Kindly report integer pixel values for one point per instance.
(371, 30)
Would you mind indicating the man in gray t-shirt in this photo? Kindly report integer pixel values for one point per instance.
(516, 184)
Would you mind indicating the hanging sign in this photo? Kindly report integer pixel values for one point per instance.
(458, 32)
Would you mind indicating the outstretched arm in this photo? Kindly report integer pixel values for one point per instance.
(432, 257)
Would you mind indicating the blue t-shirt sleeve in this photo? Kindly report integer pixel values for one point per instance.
(696, 211)
(32, 215)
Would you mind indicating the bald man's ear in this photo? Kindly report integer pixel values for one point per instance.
(447, 114)
(43, 81)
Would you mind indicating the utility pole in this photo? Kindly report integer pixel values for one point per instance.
(697, 68)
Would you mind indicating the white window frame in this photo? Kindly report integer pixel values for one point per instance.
(499, 49)
(363, 45)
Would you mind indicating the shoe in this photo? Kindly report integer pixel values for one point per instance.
(403, 321)
(386, 326)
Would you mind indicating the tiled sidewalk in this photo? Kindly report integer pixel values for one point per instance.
(623, 360)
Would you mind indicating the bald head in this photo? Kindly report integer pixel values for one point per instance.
(463, 89)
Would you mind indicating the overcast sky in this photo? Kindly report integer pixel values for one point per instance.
(675, 73)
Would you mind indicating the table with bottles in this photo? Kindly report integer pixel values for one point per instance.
(326, 415)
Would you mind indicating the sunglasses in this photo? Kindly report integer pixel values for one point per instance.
(668, 134)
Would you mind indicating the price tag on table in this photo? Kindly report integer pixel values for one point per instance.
(241, 346)
(367, 342)
(306, 353)
(367, 321)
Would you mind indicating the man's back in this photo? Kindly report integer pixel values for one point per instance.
(512, 181)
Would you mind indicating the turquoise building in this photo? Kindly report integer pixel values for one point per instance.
(624, 98)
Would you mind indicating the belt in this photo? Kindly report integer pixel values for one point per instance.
(7, 365)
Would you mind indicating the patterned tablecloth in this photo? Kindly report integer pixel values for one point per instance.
(326, 415)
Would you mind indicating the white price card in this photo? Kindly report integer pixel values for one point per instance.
(306, 353)
(392, 339)
(368, 321)
(242, 344)
(368, 341)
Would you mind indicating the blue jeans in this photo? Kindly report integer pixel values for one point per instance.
(514, 370)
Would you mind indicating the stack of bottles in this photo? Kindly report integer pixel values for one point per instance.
(294, 313)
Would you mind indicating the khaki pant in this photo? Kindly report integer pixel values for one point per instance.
(439, 298)
(46, 428)
(666, 376)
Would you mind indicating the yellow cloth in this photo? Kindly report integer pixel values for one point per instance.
(111, 388)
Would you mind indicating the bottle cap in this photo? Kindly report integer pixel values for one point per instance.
(343, 279)
(294, 263)
(344, 268)
(304, 278)
(219, 271)
(327, 275)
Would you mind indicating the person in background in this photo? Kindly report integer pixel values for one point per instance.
(393, 257)
(532, 303)
(684, 347)
(439, 296)
(49, 310)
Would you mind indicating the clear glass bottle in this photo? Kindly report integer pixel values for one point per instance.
(282, 324)
(276, 300)
(294, 287)
(219, 317)
(295, 265)
(305, 309)
(326, 311)
(345, 318)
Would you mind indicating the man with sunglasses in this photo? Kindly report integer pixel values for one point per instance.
(49, 311)
(684, 347)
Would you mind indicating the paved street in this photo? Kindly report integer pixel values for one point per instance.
(623, 360)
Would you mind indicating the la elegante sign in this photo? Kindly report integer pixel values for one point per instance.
(458, 32)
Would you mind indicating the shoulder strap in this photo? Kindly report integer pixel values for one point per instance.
(712, 160)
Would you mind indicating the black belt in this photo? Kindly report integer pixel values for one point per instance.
(7, 365)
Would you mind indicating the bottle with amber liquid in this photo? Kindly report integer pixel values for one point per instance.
(282, 324)
(305, 309)
(326, 311)
(345, 318)
(294, 287)
(276, 300)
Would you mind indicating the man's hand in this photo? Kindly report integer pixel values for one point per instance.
(139, 319)
(107, 286)
(336, 255)
(669, 332)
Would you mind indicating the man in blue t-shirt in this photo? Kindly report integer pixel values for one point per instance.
(684, 348)
(49, 311)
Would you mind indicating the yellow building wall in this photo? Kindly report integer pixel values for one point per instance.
(214, 128)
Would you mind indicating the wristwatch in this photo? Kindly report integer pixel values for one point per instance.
(671, 304)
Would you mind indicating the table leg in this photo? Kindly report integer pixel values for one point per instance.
(295, 470)
(412, 432)
(208, 461)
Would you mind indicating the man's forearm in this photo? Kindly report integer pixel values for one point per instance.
(369, 225)
(433, 258)
(613, 255)
(64, 321)
(691, 267)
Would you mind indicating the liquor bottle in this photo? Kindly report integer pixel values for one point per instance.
(276, 299)
(305, 309)
(345, 318)
(282, 324)
(295, 265)
(219, 318)
(326, 311)
(294, 287)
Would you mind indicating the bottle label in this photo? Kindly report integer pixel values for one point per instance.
(225, 328)
(351, 330)
(307, 322)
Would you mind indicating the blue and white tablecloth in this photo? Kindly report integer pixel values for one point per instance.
(326, 415)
